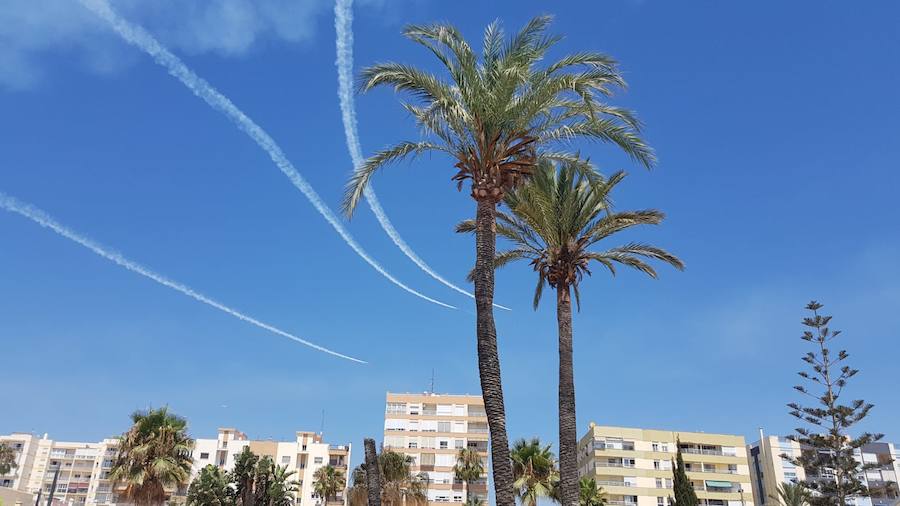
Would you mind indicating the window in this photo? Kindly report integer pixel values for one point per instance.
(457, 498)
(655, 447)
(427, 459)
(443, 427)
(458, 444)
(444, 445)
(660, 501)
(412, 444)
(286, 459)
(668, 482)
(317, 460)
(396, 408)
(665, 447)
(656, 464)
(659, 483)
(203, 456)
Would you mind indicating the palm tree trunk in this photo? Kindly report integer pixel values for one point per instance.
(488, 360)
(373, 477)
(568, 463)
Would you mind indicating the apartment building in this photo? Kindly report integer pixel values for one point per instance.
(431, 429)
(769, 467)
(84, 467)
(305, 454)
(634, 466)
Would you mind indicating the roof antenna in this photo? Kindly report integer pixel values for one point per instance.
(322, 428)
(432, 381)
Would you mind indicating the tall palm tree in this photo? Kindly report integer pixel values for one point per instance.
(328, 482)
(589, 494)
(243, 475)
(494, 116)
(792, 494)
(398, 485)
(534, 469)
(153, 456)
(7, 459)
(468, 468)
(558, 219)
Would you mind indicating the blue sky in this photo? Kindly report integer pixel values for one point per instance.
(775, 125)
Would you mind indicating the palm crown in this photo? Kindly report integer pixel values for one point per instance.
(559, 216)
(498, 113)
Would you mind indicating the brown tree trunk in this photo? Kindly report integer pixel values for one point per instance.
(488, 360)
(373, 476)
(568, 453)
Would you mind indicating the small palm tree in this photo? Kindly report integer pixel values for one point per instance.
(469, 467)
(558, 218)
(534, 470)
(153, 456)
(792, 494)
(210, 488)
(243, 475)
(283, 487)
(494, 117)
(7, 459)
(328, 481)
(589, 494)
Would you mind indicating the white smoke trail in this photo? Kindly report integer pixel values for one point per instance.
(343, 22)
(43, 219)
(140, 38)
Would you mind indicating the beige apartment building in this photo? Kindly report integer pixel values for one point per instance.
(769, 468)
(431, 429)
(84, 467)
(634, 466)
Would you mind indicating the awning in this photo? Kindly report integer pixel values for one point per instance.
(718, 484)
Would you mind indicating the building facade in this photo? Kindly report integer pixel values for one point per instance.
(634, 466)
(769, 467)
(431, 429)
(84, 467)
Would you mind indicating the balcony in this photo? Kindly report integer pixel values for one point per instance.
(708, 470)
(605, 445)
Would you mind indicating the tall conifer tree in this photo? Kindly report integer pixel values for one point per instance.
(827, 449)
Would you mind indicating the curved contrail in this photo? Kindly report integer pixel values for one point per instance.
(43, 219)
(140, 38)
(343, 21)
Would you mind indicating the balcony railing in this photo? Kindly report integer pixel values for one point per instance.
(621, 503)
(698, 451)
(614, 464)
(599, 445)
(608, 483)
(705, 470)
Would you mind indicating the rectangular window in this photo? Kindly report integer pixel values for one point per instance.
(665, 448)
(203, 456)
(458, 444)
(427, 459)
(656, 464)
(317, 460)
(668, 482)
(413, 444)
(660, 501)
(659, 483)
(396, 408)
(655, 446)
(444, 445)
(443, 427)
(286, 459)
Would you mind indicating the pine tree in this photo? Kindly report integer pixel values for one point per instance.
(827, 453)
(684, 489)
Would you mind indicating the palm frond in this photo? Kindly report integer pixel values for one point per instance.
(361, 175)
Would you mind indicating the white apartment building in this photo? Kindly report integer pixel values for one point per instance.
(769, 469)
(84, 467)
(634, 466)
(431, 429)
